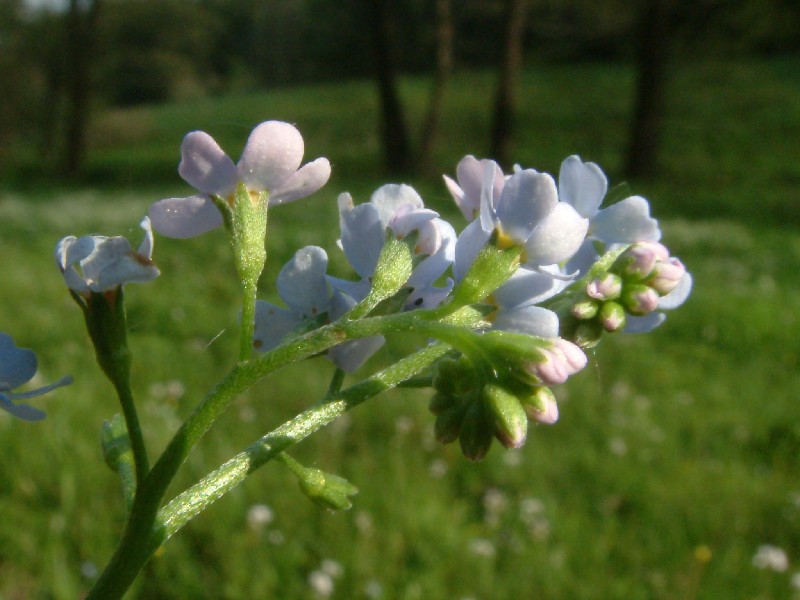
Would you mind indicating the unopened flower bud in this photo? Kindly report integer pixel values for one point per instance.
(447, 426)
(638, 261)
(561, 359)
(666, 276)
(477, 430)
(510, 419)
(587, 334)
(327, 490)
(541, 406)
(639, 299)
(442, 402)
(584, 310)
(606, 287)
(612, 316)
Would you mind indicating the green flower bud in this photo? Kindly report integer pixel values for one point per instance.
(326, 490)
(585, 309)
(477, 431)
(639, 299)
(587, 334)
(612, 316)
(541, 405)
(510, 419)
(447, 426)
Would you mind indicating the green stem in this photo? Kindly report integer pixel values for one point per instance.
(140, 460)
(135, 547)
(249, 290)
(188, 504)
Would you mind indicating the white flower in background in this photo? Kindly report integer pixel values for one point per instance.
(97, 263)
(771, 558)
(270, 162)
(17, 367)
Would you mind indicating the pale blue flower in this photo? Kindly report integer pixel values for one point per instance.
(528, 214)
(17, 367)
(310, 300)
(270, 162)
(400, 209)
(583, 185)
(96, 263)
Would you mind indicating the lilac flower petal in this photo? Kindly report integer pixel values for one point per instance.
(582, 185)
(307, 180)
(527, 199)
(468, 245)
(146, 247)
(406, 221)
(205, 166)
(626, 222)
(429, 296)
(488, 202)
(17, 365)
(183, 218)
(349, 356)
(390, 198)
(533, 320)
(458, 195)
(271, 156)
(302, 284)
(677, 296)
(645, 323)
(557, 237)
(583, 259)
(272, 324)
(362, 235)
(21, 411)
(529, 287)
(42, 390)
(357, 290)
(71, 250)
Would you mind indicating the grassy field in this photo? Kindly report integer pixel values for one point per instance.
(677, 454)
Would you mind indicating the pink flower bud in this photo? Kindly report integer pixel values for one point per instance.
(607, 287)
(639, 260)
(560, 360)
(666, 276)
(639, 299)
(541, 406)
(612, 316)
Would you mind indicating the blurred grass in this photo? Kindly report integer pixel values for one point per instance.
(676, 455)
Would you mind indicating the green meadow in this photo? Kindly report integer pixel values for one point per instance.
(676, 455)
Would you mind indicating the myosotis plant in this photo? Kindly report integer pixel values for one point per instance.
(539, 273)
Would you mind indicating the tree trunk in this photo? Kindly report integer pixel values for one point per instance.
(648, 112)
(392, 123)
(505, 99)
(444, 65)
(80, 46)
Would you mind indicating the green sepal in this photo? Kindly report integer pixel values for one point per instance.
(510, 419)
(492, 268)
(395, 263)
(246, 222)
(327, 490)
(104, 313)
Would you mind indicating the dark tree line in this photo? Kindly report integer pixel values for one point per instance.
(54, 67)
